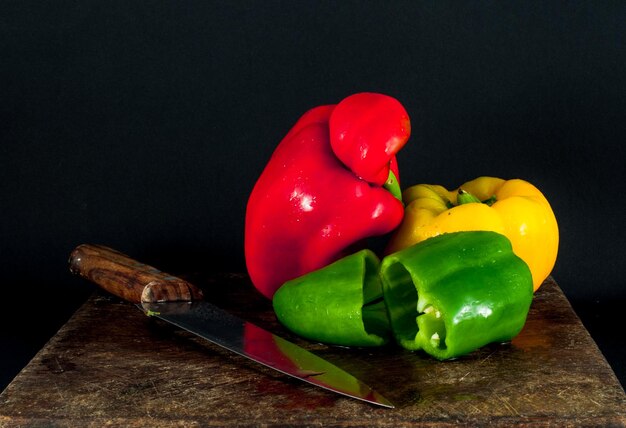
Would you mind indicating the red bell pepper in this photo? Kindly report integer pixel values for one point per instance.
(322, 191)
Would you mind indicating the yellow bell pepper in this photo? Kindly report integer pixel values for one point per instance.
(514, 208)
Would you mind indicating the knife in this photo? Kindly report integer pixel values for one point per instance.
(181, 303)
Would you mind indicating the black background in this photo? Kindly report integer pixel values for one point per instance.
(144, 125)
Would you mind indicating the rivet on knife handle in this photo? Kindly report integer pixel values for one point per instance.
(127, 278)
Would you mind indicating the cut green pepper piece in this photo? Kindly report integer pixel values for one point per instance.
(456, 292)
(340, 304)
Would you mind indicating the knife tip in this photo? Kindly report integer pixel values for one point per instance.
(382, 401)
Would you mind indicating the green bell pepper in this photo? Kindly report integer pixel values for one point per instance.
(339, 304)
(456, 292)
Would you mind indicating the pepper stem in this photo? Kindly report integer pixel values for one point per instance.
(465, 197)
(393, 186)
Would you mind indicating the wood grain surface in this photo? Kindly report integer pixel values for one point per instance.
(110, 365)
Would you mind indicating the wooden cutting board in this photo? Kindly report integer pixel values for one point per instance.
(112, 365)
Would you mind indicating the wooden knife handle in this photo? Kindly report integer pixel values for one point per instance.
(126, 278)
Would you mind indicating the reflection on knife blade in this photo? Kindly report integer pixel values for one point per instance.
(148, 287)
(248, 340)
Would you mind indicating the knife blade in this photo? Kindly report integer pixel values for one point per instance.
(181, 303)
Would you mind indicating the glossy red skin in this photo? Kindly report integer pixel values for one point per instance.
(307, 209)
(366, 131)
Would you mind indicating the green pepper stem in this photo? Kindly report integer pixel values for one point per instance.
(492, 200)
(465, 197)
(393, 186)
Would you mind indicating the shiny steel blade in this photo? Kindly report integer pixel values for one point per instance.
(248, 340)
